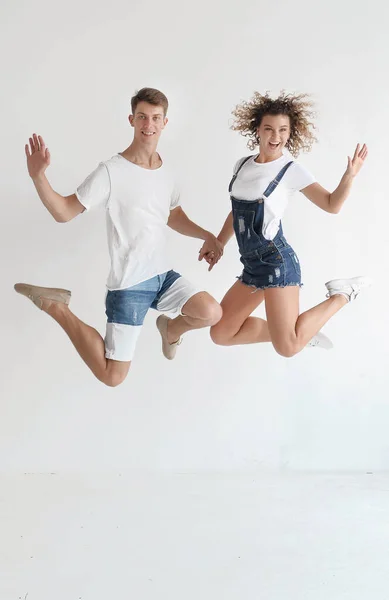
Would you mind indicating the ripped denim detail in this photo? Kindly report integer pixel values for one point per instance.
(269, 285)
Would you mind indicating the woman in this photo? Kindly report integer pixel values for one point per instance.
(260, 189)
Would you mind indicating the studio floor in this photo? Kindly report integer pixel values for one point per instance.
(178, 536)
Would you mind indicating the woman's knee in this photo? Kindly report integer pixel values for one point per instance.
(220, 335)
(286, 347)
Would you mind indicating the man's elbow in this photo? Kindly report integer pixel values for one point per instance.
(334, 210)
(68, 213)
(69, 209)
(173, 220)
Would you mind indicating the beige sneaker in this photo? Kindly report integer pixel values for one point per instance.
(36, 293)
(169, 350)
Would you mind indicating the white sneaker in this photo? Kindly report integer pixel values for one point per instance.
(320, 341)
(349, 288)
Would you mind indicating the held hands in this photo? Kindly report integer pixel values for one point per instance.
(38, 156)
(211, 251)
(356, 162)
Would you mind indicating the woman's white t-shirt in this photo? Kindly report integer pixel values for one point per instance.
(253, 180)
(138, 202)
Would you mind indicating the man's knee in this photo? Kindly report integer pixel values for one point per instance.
(205, 309)
(215, 313)
(211, 312)
(114, 377)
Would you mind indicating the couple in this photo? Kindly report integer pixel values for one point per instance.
(140, 199)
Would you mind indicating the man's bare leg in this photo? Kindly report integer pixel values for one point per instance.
(88, 343)
(199, 311)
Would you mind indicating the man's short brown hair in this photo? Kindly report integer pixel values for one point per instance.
(152, 96)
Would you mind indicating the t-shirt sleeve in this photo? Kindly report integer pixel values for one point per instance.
(96, 188)
(175, 198)
(238, 163)
(300, 177)
(236, 166)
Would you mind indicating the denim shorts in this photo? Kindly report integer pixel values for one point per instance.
(274, 264)
(126, 310)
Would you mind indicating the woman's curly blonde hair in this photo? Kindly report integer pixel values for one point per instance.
(299, 109)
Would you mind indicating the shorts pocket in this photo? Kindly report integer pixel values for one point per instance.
(128, 307)
(270, 256)
(296, 263)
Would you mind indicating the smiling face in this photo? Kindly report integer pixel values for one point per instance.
(273, 132)
(148, 122)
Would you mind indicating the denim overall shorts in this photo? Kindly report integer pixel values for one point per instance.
(267, 263)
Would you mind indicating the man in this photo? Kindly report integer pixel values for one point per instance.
(140, 200)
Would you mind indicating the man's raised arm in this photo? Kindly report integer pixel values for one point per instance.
(62, 208)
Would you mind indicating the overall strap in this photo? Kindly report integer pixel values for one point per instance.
(273, 184)
(235, 175)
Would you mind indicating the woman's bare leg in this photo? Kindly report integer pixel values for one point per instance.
(285, 328)
(236, 326)
(289, 331)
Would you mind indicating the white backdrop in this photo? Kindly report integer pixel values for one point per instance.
(68, 72)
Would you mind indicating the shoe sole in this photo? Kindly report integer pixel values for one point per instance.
(362, 281)
(324, 342)
(35, 292)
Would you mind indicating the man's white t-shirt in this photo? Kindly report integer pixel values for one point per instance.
(253, 180)
(138, 202)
